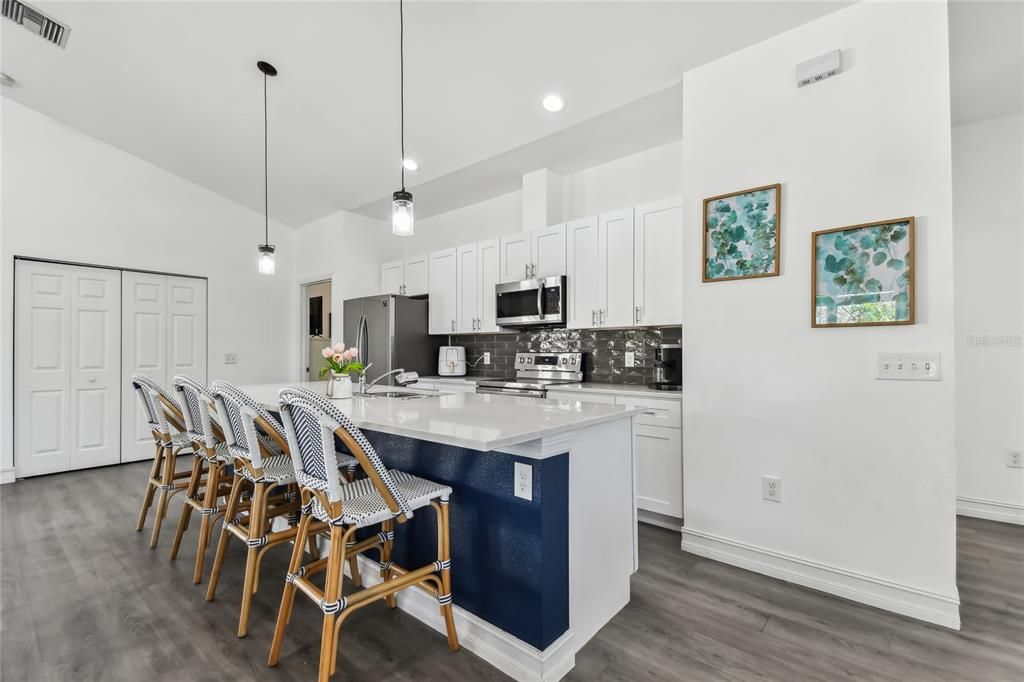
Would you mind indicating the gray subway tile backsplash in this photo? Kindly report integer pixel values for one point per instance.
(604, 350)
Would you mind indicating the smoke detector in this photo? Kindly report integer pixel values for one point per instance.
(37, 22)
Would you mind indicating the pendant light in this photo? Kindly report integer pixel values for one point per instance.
(266, 249)
(402, 216)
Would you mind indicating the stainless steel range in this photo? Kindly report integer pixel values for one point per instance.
(536, 373)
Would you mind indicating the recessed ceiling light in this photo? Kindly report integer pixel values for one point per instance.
(553, 103)
(410, 164)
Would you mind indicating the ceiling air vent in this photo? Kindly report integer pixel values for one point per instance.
(37, 22)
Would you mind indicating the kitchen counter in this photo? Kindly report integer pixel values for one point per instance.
(542, 514)
(482, 422)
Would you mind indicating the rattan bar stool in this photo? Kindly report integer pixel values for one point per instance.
(339, 509)
(262, 464)
(162, 414)
(211, 466)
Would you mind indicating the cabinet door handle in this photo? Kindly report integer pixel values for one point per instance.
(600, 316)
(453, 325)
(533, 269)
(636, 315)
(526, 270)
(593, 316)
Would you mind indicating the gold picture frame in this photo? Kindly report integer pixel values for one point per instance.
(722, 267)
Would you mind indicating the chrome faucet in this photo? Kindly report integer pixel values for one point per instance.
(365, 387)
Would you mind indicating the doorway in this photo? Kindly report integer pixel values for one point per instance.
(316, 326)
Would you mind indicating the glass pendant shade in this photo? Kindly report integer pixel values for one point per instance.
(402, 217)
(266, 259)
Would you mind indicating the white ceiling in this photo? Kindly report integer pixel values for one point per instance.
(176, 84)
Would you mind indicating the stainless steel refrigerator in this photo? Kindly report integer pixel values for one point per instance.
(391, 332)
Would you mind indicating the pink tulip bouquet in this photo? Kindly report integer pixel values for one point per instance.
(341, 360)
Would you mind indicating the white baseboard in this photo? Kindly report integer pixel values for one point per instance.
(511, 656)
(659, 520)
(884, 594)
(1006, 512)
(7, 475)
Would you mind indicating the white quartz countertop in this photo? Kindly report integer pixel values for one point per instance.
(585, 387)
(468, 420)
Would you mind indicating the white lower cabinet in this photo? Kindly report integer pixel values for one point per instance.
(657, 448)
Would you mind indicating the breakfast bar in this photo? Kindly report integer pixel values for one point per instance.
(542, 530)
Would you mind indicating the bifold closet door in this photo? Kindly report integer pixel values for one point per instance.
(67, 367)
(164, 333)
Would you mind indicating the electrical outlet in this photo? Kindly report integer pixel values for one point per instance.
(771, 488)
(1015, 459)
(909, 366)
(630, 359)
(231, 358)
(523, 481)
(487, 357)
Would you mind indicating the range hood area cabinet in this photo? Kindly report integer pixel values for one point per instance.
(536, 254)
(407, 277)
(623, 267)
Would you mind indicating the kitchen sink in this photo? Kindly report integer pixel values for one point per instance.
(406, 395)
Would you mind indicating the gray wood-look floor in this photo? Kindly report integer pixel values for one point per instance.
(83, 598)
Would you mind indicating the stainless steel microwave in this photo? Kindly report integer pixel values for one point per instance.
(531, 302)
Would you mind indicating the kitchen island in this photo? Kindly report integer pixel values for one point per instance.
(534, 576)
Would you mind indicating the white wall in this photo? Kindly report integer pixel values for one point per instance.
(988, 213)
(868, 467)
(639, 178)
(68, 196)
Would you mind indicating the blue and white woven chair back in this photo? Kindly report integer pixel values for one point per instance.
(149, 393)
(195, 400)
(311, 422)
(238, 420)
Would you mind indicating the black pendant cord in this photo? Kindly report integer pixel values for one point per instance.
(401, 78)
(266, 169)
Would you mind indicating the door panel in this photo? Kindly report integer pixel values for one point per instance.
(376, 333)
(186, 328)
(548, 246)
(488, 275)
(144, 350)
(467, 289)
(659, 461)
(416, 276)
(443, 285)
(67, 367)
(392, 276)
(515, 257)
(616, 262)
(585, 294)
(658, 269)
(95, 368)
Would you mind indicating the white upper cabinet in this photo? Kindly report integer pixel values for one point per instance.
(657, 256)
(616, 264)
(467, 289)
(548, 250)
(407, 277)
(416, 276)
(392, 277)
(540, 253)
(583, 288)
(443, 285)
(516, 257)
(488, 262)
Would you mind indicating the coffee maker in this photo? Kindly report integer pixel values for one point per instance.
(668, 367)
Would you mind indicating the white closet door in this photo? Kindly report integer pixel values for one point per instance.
(143, 350)
(66, 367)
(186, 328)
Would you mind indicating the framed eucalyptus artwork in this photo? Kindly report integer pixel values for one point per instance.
(863, 275)
(742, 233)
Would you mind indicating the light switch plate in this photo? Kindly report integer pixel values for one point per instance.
(231, 358)
(909, 366)
(523, 484)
